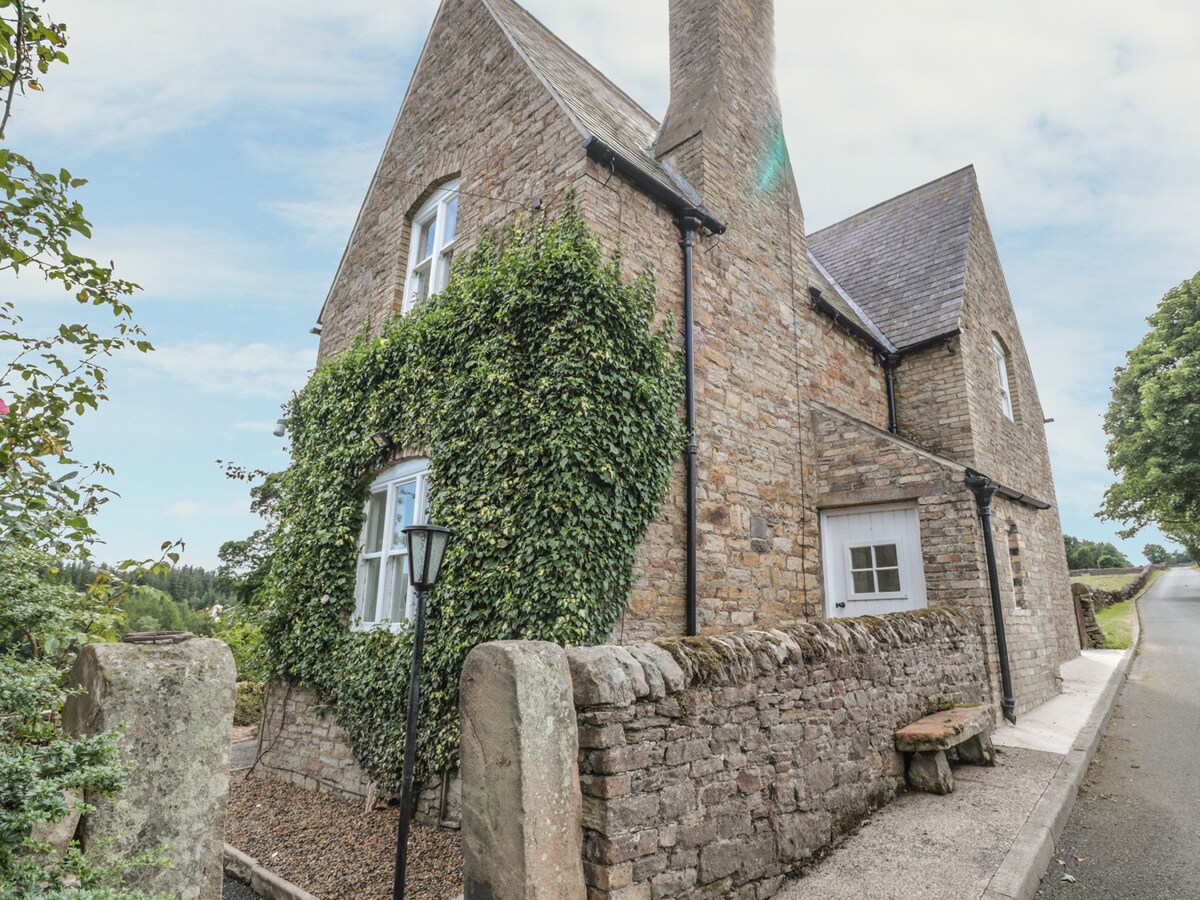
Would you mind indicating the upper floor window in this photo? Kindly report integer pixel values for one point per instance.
(1002, 371)
(431, 246)
(399, 498)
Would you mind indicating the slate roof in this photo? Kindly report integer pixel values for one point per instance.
(598, 107)
(904, 261)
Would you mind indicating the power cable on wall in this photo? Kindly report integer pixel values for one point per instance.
(799, 407)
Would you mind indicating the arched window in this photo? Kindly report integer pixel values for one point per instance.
(1001, 354)
(431, 245)
(399, 497)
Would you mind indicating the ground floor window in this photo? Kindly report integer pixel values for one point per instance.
(399, 498)
(875, 569)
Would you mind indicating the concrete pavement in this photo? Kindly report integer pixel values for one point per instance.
(993, 837)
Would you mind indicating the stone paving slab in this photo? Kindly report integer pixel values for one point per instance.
(935, 847)
(993, 836)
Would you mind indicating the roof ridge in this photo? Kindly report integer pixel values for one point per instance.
(491, 7)
(969, 167)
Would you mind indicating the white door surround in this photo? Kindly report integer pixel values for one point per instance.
(871, 560)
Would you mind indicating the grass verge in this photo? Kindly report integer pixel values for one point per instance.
(1106, 582)
(1117, 620)
(1117, 624)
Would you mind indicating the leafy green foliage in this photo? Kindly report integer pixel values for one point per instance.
(1083, 554)
(547, 406)
(1160, 555)
(42, 627)
(48, 377)
(1154, 439)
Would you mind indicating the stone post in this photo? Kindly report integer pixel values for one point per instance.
(522, 832)
(172, 705)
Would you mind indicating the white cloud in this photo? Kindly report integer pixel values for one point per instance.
(200, 509)
(242, 370)
(175, 262)
(142, 67)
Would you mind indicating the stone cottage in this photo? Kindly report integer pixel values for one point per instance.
(867, 431)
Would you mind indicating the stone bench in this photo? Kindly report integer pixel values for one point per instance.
(964, 730)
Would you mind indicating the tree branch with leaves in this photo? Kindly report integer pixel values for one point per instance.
(1153, 424)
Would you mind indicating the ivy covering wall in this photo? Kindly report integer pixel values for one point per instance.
(547, 405)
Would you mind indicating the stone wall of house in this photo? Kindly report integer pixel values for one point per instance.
(473, 109)
(932, 404)
(858, 465)
(714, 767)
(1014, 451)
(301, 743)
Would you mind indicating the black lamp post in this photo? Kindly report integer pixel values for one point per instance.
(426, 549)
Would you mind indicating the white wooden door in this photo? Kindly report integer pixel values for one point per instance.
(871, 558)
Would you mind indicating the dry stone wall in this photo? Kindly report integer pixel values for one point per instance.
(716, 766)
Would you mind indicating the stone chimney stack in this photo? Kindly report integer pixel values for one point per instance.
(723, 128)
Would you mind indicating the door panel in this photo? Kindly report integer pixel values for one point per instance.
(871, 560)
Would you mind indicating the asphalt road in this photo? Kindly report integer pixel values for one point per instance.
(1135, 829)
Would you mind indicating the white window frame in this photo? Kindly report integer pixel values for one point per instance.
(427, 273)
(391, 558)
(1006, 403)
(900, 567)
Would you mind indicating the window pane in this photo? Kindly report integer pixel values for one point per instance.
(368, 584)
(406, 506)
(889, 580)
(860, 557)
(425, 240)
(864, 583)
(398, 579)
(373, 541)
(420, 285)
(885, 555)
(444, 269)
(450, 211)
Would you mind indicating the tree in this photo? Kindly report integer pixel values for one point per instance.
(1155, 553)
(1153, 424)
(46, 497)
(1093, 555)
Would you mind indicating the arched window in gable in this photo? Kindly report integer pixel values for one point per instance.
(1000, 352)
(431, 245)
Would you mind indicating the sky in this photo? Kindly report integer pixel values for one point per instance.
(228, 155)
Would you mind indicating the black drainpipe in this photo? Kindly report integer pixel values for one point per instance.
(890, 362)
(983, 488)
(688, 225)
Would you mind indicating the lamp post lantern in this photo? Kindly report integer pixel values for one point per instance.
(426, 549)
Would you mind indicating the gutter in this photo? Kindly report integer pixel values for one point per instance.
(677, 202)
(688, 226)
(691, 217)
(890, 362)
(984, 488)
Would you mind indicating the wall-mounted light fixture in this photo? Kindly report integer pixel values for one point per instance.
(383, 441)
(316, 329)
(280, 428)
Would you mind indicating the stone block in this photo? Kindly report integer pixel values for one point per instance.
(599, 677)
(930, 772)
(978, 751)
(173, 704)
(522, 806)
